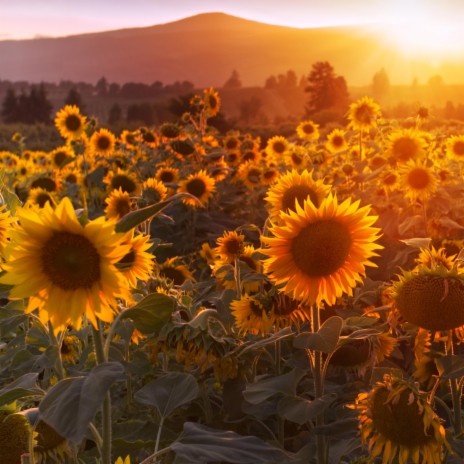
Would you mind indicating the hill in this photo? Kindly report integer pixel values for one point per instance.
(204, 49)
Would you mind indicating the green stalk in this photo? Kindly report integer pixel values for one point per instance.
(106, 408)
(238, 283)
(59, 370)
(456, 398)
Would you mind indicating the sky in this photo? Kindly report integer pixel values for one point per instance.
(21, 19)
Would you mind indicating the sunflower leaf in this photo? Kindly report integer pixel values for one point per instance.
(134, 218)
(326, 338)
(71, 404)
(450, 367)
(24, 386)
(300, 410)
(168, 392)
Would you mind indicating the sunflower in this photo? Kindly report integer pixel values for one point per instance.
(200, 186)
(294, 187)
(14, 436)
(118, 204)
(153, 191)
(363, 114)
(23, 170)
(231, 142)
(250, 316)
(70, 349)
(286, 310)
(123, 180)
(418, 180)
(277, 147)
(167, 175)
(388, 180)
(121, 461)
(455, 146)
(50, 445)
(60, 155)
(148, 137)
(250, 173)
(232, 158)
(431, 298)
(212, 102)
(270, 175)
(169, 130)
(137, 264)
(40, 197)
(207, 253)
(308, 131)
(230, 246)
(251, 155)
(53, 259)
(45, 182)
(336, 141)
(297, 157)
(128, 138)
(406, 144)
(432, 258)
(103, 142)
(70, 122)
(396, 420)
(320, 253)
(6, 221)
(174, 270)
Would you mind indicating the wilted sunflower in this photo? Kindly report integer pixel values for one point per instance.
(40, 197)
(59, 155)
(53, 259)
(431, 298)
(277, 147)
(153, 191)
(418, 180)
(118, 204)
(320, 253)
(199, 185)
(212, 102)
(363, 114)
(103, 142)
(396, 421)
(123, 180)
(230, 246)
(455, 146)
(137, 263)
(286, 310)
(14, 435)
(308, 131)
(293, 187)
(406, 144)
(250, 316)
(336, 141)
(50, 445)
(70, 122)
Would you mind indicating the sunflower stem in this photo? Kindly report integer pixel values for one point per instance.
(238, 283)
(59, 370)
(106, 408)
(318, 386)
(106, 347)
(150, 459)
(456, 399)
(158, 435)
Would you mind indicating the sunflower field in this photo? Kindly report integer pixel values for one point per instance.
(174, 295)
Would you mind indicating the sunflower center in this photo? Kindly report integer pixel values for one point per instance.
(122, 207)
(297, 160)
(42, 198)
(458, 148)
(256, 309)
(70, 261)
(254, 175)
(363, 114)
(321, 248)
(59, 158)
(231, 144)
(124, 182)
(298, 193)
(337, 141)
(73, 122)
(127, 261)
(212, 102)
(233, 246)
(418, 179)
(71, 178)
(44, 182)
(389, 179)
(278, 147)
(250, 155)
(405, 148)
(285, 306)
(174, 274)
(167, 177)
(399, 421)
(308, 129)
(149, 137)
(356, 354)
(152, 195)
(196, 187)
(103, 143)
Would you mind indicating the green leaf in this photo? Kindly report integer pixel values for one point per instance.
(10, 199)
(324, 340)
(199, 443)
(300, 411)
(450, 367)
(134, 218)
(24, 386)
(261, 390)
(280, 335)
(72, 403)
(151, 313)
(168, 392)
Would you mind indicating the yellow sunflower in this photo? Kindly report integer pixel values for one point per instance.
(102, 142)
(128, 138)
(137, 264)
(153, 191)
(6, 222)
(363, 114)
(70, 122)
(148, 137)
(201, 186)
(250, 316)
(406, 144)
(167, 175)
(277, 147)
(432, 258)
(396, 421)
(230, 246)
(320, 253)
(124, 180)
(294, 187)
(455, 146)
(297, 157)
(286, 310)
(118, 204)
(207, 253)
(212, 102)
(336, 141)
(174, 270)
(60, 155)
(418, 180)
(308, 131)
(231, 142)
(40, 197)
(49, 444)
(53, 259)
(270, 175)
(250, 173)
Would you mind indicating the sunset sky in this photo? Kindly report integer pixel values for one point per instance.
(33, 18)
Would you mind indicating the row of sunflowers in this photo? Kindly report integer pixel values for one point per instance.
(176, 295)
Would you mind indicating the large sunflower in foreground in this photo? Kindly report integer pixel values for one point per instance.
(293, 187)
(320, 253)
(396, 421)
(64, 268)
(70, 122)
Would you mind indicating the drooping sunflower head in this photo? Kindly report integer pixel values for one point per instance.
(363, 114)
(336, 141)
(230, 246)
(418, 180)
(277, 147)
(308, 131)
(211, 101)
(53, 258)
(455, 147)
(118, 204)
(70, 122)
(201, 186)
(14, 435)
(175, 271)
(170, 130)
(286, 311)
(292, 188)
(124, 180)
(396, 421)
(317, 254)
(153, 191)
(405, 145)
(251, 316)
(102, 142)
(50, 445)
(431, 298)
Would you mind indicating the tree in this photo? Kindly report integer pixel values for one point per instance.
(326, 89)
(102, 87)
(380, 84)
(234, 81)
(115, 114)
(10, 107)
(271, 82)
(74, 98)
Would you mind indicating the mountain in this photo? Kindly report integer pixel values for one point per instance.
(205, 49)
